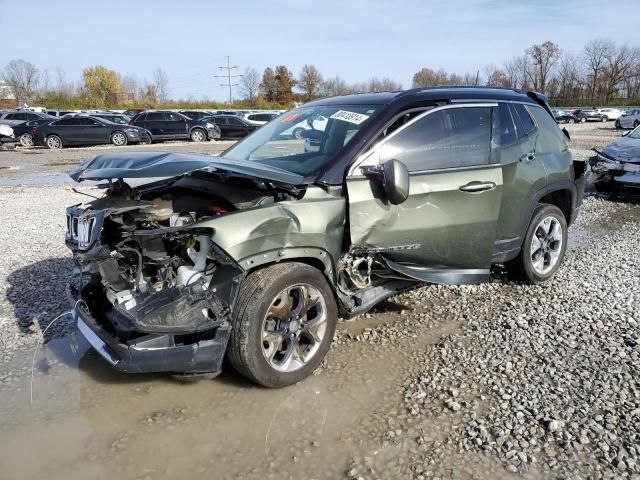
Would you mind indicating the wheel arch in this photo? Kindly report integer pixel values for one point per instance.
(312, 256)
(199, 127)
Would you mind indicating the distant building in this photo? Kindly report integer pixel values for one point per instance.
(121, 98)
(7, 98)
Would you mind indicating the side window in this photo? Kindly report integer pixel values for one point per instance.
(551, 138)
(172, 117)
(455, 137)
(523, 121)
(88, 121)
(13, 116)
(154, 117)
(505, 124)
(235, 122)
(30, 116)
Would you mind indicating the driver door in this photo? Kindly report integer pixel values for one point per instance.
(445, 231)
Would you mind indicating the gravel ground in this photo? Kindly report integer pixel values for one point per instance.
(543, 379)
(493, 381)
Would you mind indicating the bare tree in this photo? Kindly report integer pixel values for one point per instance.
(619, 64)
(496, 77)
(333, 87)
(543, 59)
(309, 82)
(23, 78)
(595, 54)
(161, 83)
(384, 84)
(516, 71)
(250, 85)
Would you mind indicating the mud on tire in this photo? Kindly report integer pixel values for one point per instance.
(262, 309)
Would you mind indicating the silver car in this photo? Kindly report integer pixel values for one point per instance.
(629, 119)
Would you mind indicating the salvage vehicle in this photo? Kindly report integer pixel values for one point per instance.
(562, 116)
(589, 115)
(255, 253)
(7, 138)
(617, 166)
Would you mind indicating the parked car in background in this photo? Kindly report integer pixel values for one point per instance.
(24, 131)
(16, 117)
(233, 126)
(132, 112)
(584, 115)
(113, 117)
(629, 119)
(610, 113)
(7, 138)
(166, 125)
(58, 113)
(195, 114)
(87, 131)
(254, 254)
(617, 166)
(260, 118)
(562, 116)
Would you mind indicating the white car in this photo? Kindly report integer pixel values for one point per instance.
(629, 119)
(611, 113)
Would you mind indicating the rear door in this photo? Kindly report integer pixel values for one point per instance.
(69, 130)
(176, 125)
(236, 128)
(155, 123)
(444, 232)
(224, 127)
(94, 132)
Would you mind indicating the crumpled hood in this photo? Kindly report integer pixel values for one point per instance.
(624, 149)
(172, 164)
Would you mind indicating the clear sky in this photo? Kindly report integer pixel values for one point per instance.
(355, 39)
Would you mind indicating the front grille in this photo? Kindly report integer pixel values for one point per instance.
(79, 229)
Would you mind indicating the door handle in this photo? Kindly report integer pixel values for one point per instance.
(528, 156)
(476, 186)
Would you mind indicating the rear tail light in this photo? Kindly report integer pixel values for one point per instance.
(33, 130)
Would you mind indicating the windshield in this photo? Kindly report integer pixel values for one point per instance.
(635, 133)
(304, 140)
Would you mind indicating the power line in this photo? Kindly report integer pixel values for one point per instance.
(228, 76)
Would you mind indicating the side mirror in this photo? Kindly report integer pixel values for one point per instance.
(395, 181)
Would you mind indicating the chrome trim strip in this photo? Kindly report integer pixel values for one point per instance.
(95, 341)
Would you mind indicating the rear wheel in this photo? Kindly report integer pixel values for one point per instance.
(283, 324)
(26, 140)
(544, 245)
(582, 120)
(603, 119)
(636, 123)
(119, 139)
(297, 133)
(198, 135)
(618, 124)
(54, 142)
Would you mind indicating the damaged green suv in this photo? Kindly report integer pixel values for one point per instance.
(254, 254)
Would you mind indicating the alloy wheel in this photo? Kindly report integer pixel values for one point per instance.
(54, 142)
(197, 136)
(26, 140)
(119, 139)
(546, 245)
(293, 327)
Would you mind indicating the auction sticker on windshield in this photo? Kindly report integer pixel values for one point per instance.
(351, 117)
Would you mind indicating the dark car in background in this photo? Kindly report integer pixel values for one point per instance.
(562, 116)
(232, 126)
(132, 112)
(113, 117)
(24, 131)
(589, 115)
(87, 131)
(195, 114)
(166, 125)
(16, 117)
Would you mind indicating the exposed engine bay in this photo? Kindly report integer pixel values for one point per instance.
(145, 265)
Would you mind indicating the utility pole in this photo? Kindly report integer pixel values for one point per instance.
(228, 76)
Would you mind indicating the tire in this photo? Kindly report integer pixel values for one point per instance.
(604, 119)
(119, 139)
(147, 139)
(583, 120)
(26, 140)
(297, 133)
(572, 120)
(261, 336)
(536, 273)
(618, 126)
(636, 123)
(198, 135)
(54, 142)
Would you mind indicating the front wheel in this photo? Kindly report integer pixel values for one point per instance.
(198, 135)
(283, 324)
(603, 119)
(544, 246)
(297, 133)
(54, 142)
(583, 120)
(119, 139)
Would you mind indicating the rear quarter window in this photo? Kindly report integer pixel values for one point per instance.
(524, 124)
(550, 137)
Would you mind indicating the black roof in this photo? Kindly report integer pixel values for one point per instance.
(431, 93)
